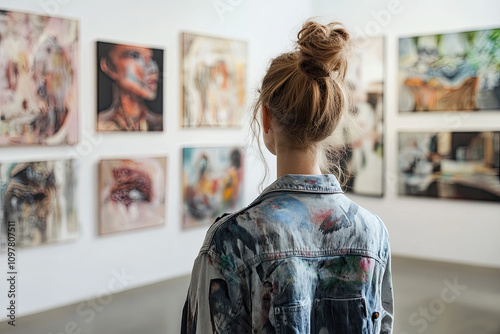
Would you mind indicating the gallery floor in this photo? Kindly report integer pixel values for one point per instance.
(430, 297)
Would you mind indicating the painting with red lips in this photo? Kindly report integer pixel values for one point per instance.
(212, 183)
(129, 88)
(131, 193)
(38, 80)
(38, 198)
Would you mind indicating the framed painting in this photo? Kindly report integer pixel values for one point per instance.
(461, 165)
(38, 80)
(361, 131)
(129, 88)
(450, 72)
(131, 193)
(38, 199)
(212, 183)
(213, 81)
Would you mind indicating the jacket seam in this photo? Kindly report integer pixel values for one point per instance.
(215, 226)
(239, 270)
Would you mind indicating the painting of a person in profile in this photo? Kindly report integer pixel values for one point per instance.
(129, 88)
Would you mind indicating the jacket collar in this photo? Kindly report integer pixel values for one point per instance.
(326, 184)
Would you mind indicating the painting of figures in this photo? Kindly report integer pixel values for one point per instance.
(129, 88)
(363, 128)
(38, 80)
(212, 183)
(463, 165)
(131, 193)
(450, 72)
(39, 199)
(213, 81)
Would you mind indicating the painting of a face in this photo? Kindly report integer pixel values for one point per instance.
(129, 88)
(133, 70)
(39, 198)
(132, 193)
(38, 80)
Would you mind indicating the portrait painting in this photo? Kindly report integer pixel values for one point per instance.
(459, 165)
(213, 81)
(363, 159)
(129, 88)
(39, 199)
(212, 183)
(131, 193)
(450, 72)
(38, 80)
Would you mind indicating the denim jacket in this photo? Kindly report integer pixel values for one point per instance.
(302, 258)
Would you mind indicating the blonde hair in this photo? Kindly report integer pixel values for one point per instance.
(305, 93)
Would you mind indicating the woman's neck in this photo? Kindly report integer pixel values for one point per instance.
(297, 162)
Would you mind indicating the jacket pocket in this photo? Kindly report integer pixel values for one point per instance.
(340, 316)
(293, 318)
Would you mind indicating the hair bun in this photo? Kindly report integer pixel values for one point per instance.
(313, 69)
(323, 48)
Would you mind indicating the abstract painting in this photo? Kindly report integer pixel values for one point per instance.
(131, 193)
(129, 88)
(212, 183)
(450, 72)
(38, 80)
(363, 134)
(39, 197)
(213, 81)
(462, 165)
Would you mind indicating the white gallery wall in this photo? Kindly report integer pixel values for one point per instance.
(94, 266)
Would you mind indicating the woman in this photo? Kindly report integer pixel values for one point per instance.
(302, 258)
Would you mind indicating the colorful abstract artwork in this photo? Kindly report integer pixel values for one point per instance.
(450, 72)
(364, 159)
(462, 165)
(212, 183)
(129, 88)
(131, 193)
(38, 198)
(213, 81)
(38, 80)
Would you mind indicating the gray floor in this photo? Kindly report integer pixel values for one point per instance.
(425, 303)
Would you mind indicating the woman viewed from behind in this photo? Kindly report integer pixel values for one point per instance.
(301, 258)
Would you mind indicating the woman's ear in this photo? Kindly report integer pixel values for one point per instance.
(266, 119)
(105, 68)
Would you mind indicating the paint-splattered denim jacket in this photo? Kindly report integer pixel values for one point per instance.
(302, 258)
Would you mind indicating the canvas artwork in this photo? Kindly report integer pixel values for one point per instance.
(363, 129)
(38, 80)
(213, 81)
(131, 193)
(450, 72)
(39, 198)
(461, 165)
(212, 183)
(129, 88)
